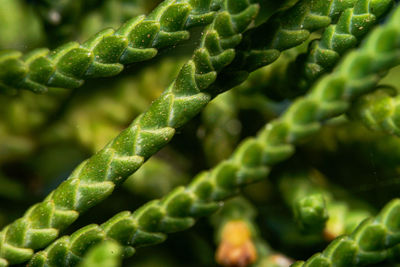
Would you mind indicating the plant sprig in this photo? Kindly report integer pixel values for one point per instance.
(196, 84)
(178, 210)
(106, 53)
(338, 38)
(95, 178)
(349, 29)
(373, 241)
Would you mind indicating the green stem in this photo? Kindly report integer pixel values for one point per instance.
(178, 210)
(337, 39)
(323, 54)
(106, 53)
(373, 241)
(95, 179)
(196, 84)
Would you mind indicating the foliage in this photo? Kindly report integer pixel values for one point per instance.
(312, 71)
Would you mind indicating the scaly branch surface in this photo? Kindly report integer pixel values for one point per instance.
(262, 45)
(94, 179)
(373, 241)
(286, 31)
(106, 53)
(350, 28)
(337, 39)
(178, 210)
(195, 85)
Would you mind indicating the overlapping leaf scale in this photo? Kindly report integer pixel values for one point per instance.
(374, 240)
(106, 53)
(351, 27)
(179, 209)
(353, 18)
(262, 46)
(96, 178)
